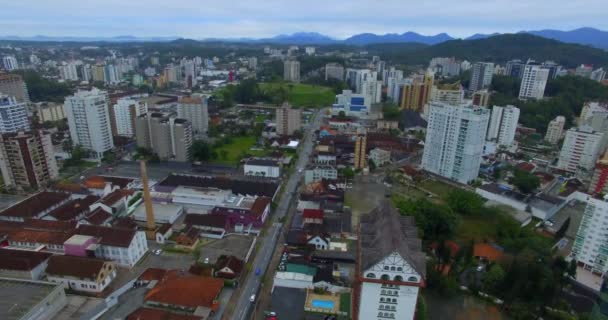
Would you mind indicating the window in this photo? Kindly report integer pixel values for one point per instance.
(394, 300)
(392, 268)
(399, 269)
(398, 278)
(371, 275)
(386, 268)
(381, 299)
(385, 277)
(412, 279)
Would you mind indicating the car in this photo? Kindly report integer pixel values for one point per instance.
(206, 261)
(300, 170)
(252, 298)
(157, 252)
(480, 268)
(258, 271)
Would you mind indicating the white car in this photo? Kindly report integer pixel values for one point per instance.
(206, 261)
(252, 298)
(157, 252)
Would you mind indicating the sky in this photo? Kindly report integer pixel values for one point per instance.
(199, 19)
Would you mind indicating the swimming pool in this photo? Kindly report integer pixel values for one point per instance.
(323, 304)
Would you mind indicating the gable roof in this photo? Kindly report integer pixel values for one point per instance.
(79, 267)
(21, 259)
(98, 216)
(244, 187)
(99, 182)
(231, 262)
(115, 196)
(35, 204)
(383, 232)
(181, 289)
(73, 209)
(108, 236)
(259, 205)
(312, 214)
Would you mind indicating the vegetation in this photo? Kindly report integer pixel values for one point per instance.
(465, 202)
(42, 89)
(390, 111)
(525, 181)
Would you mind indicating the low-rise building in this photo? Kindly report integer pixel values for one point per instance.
(81, 274)
(380, 157)
(35, 206)
(163, 213)
(320, 172)
(23, 264)
(262, 168)
(124, 246)
(36, 300)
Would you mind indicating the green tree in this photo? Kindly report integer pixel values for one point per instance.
(435, 222)
(78, 153)
(464, 202)
(525, 181)
(201, 150)
(493, 278)
(348, 173)
(391, 111)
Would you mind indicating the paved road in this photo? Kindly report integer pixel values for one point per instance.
(268, 245)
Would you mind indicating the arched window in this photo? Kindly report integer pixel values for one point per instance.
(371, 275)
(383, 292)
(412, 279)
(399, 269)
(398, 278)
(381, 299)
(392, 268)
(385, 277)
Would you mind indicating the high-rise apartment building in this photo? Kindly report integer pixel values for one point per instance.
(168, 137)
(360, 150)
(481, 76)
(448, 93)
(13, 85)
(27, 159)
(98, 73)
(599, 179)
(598, 75)
(391, 266)
(533, 82)
(49, 111)
(68, 71)
(515, 68)
(291, 71)
(454, 141)
(445, 67)
(503, 124)
(581, 149)
(111, 74)
(125, 112)
(13, 115)
(195, 109)
(10, 63)
(89, 121)
(584, 70)
(288, 120)
(590, 248)
(481, 98)
(417, 93)
(555, 129)
(334, 71)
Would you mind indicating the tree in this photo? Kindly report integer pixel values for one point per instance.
(78, 153)
(435, 222)
(464, 202)
(525, 181)
(493, 278)
(67, 146)
(341, 115)
(201, 150)
(348, 173)
(391, 111)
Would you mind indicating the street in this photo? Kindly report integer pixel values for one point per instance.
(268, 245)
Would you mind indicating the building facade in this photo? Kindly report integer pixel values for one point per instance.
(27, 159)
(555, 130)
(360, 151)
(168, 137)
(454, 141)
(196, 111)
(89, 121)
(291, 71)
(125, 112)
(503, 124)
(288, 120)
(481, 76)
(334, 71)
(590, 248)
(10, 63)
(417, 93)
(49, 111)
(13, 115)
(581, 149)
(13, 85)
(533, 82)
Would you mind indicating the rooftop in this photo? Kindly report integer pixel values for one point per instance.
(99, 182)
(108, 236)
(18, 297)
(21, 260)
(158, 314)
(181, 289)
(35, 204)
(243, 187)
(262, 162)
(72, 209)
(78, 267)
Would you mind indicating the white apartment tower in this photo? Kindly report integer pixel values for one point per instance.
(288, 120)
(503, 124)
(334, 71)
(581, 149)
(555, 129)
(291, 70)
(481, 76)
(195, 110)
(590, 246)
(10, 63)
(89, 121)
(126, 110)
(533, 82)
(391, 268)
(13, 115)
(454, 141)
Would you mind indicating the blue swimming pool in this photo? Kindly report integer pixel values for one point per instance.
(323, 304)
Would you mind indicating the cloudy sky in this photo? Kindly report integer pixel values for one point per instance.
(264, 18)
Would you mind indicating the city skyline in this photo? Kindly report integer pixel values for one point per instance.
(193, 19)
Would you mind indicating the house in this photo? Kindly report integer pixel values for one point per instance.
(104, 185)
(387, 124)
(72, 210)
(80, 273)
(312, 216)
(325, 158)
(35, 206)
(116, 201)
(163, 233)
(380, 157)
(187, 293)
(23, 264)
(98, 217)
(411, 174)
(228, 267)
(262, 168)
(488, 252)
(124, 246)
(318, 240)
(319, 172)
(188, 239)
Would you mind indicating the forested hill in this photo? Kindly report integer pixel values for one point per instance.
(498, 49)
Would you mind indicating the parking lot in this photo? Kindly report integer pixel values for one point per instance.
(236, 245)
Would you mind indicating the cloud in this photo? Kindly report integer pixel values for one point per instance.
(337, 18)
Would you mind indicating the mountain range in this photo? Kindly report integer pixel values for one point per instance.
(585, 36)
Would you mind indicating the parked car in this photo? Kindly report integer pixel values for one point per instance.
(252, 298)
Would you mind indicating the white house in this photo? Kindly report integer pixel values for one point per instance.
(262, 168)
(123, 246)
(80, 273)
(318, 173)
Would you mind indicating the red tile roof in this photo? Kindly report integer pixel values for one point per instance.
(153, 274)
(48, 225)
(79, 267)
(108, 236)
(312, 214)
(115, 196)
(182, 289)
(21, 260)
(259, 205)
(231, 262)
(39, 236)
(158, 314)
(99, 182)
(526, 166)
(72, 209)
(487, 251)
(98, 217)
(35, 204)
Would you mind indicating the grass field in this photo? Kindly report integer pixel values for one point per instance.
(304, 95)
(437, 187)
(235, 149)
